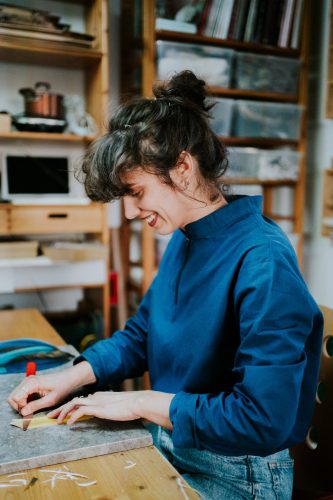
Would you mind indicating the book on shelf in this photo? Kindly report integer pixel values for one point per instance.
(296, 28)
(234, 16)
(224, 19)
(272, 20)
(217, 18)
(241, 20)
(174, 25)
(211, 18)
(203, 19)
(259, 24)
(251, 21)
(286, 23)
(275, 22)
(67, 38)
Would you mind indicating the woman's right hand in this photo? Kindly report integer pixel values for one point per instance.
(52, 388)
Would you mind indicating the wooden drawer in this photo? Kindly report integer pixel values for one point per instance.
(56, 219)
(4, 221)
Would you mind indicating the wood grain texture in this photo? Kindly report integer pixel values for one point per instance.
(56, 219)
(141, 474)
(27, 323)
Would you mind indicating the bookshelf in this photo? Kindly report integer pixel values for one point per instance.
(139, 73)
(42, 221)
(329, 83)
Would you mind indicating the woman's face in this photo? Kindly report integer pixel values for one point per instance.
(161, 206)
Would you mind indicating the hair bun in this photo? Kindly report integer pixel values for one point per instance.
(183, 86)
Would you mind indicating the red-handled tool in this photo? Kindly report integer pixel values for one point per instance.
(30, 370)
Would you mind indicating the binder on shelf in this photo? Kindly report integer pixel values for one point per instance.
(174, 25)
(251, 21)
(224, 19)
(297, 21)
(286, 23)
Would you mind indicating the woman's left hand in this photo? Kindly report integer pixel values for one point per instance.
(121, 406)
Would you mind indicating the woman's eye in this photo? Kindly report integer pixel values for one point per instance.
(136, 194)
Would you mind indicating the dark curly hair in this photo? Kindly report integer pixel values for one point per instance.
(151, 134)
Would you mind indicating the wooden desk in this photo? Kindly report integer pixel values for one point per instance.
(151, 478)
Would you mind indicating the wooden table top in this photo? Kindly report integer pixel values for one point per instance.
(136, 474)
(30, 323)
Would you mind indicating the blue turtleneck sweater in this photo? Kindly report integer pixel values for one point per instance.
(229, 326)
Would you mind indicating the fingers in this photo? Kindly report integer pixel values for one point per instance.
(63, 411)
(54, 413)
(114, 406)
(79, 412)
(18, 397)
(37, 404)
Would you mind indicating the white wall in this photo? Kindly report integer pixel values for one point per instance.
(318, 250)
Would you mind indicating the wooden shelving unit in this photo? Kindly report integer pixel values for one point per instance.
(140, 57)
(261, 142)
(45, 136)
(329, 81)
(90, 220)
(18, 50)
(252, 94)
(231, 44)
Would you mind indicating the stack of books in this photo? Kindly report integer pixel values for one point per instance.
(273, 22)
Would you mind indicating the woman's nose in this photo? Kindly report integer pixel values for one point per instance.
(130, 207)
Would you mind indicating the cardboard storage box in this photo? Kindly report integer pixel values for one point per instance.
(63, 251)
(18, 249)
(5, 123)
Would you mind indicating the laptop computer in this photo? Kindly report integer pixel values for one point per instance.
(40, 180)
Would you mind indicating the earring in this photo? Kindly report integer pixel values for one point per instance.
(186, 184)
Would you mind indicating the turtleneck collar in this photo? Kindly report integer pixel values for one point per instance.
(238, 208)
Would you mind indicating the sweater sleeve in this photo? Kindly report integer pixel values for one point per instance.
(280, 330)
(124, 355)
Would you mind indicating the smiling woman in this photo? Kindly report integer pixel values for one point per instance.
(228, 329)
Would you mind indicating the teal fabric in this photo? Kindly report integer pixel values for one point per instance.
(14, 355)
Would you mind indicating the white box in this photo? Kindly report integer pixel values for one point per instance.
(267, 119)
(41, 272)
(221, 120)
(266, 73)
(243, 162)
(212, 64)
(279, 164)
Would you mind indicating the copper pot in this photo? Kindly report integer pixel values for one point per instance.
(39, 101)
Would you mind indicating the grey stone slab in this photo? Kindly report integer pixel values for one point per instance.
(57, 444)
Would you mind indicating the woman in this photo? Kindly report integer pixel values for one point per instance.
(228, 329)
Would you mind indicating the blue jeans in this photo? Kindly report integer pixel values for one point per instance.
(218, 477)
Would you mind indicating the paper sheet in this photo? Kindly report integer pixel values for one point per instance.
(41, 420)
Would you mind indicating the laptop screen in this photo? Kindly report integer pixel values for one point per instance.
(37, 175)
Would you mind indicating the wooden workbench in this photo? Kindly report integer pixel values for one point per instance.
(136, 474)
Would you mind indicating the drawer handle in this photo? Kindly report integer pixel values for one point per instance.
(57, 216)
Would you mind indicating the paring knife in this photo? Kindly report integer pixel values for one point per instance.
(30, 370)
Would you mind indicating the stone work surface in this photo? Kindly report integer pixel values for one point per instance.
(51, 445)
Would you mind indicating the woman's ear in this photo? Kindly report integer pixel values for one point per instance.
(182, 173)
